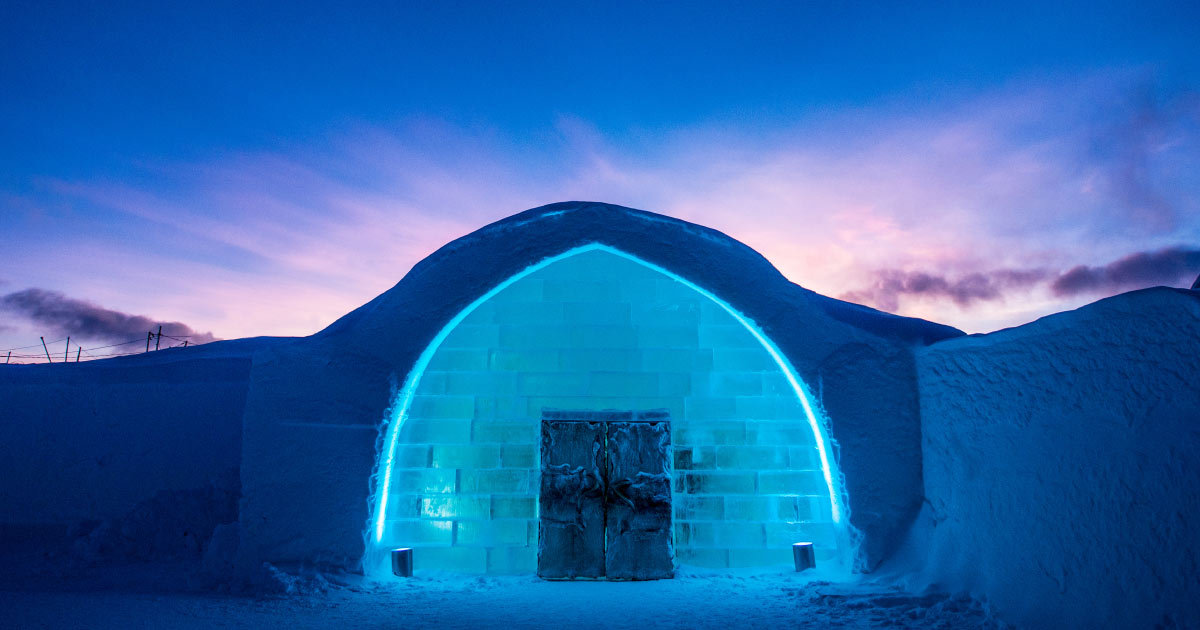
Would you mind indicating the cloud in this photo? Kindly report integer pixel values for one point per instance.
(958, 198)
(890, 284)
(1176, 266)
(62, 315)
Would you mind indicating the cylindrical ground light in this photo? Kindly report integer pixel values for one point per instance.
(402, 562)
(802, 553)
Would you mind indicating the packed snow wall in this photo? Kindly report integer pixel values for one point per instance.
(93, 441)
(1060, 463)
(309, 440)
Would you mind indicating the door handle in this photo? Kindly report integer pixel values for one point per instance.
(619, 489)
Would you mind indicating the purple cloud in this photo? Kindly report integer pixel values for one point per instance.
(62, 315)
(1175, 266)
(1171, 267)
(890, 284)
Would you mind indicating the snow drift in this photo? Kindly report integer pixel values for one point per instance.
(135, 454)
(1060, 462)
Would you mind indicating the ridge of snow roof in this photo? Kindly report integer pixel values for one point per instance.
(471, 265)
(1136, 303)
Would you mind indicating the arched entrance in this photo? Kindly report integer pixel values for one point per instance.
(595, 328)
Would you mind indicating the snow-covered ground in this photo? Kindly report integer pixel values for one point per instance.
(158, 596)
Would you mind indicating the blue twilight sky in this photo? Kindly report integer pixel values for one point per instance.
(248, 170)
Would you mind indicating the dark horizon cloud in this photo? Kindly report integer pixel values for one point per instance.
(63, 315)
(1175, 266)
(890, 284)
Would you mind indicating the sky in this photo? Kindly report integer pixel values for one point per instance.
(241, 169)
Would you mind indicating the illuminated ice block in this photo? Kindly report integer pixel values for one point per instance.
(597, 329)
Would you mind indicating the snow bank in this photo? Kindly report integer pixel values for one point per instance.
(122, 447)
(1060, 460)
(317, 602)
(309, 442)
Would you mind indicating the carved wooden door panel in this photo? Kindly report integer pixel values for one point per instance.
(639, 502)
(571, 528)
(605, 499)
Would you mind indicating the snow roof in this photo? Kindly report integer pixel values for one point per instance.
(454, 275)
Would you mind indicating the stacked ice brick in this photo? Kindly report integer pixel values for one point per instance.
(599, 331)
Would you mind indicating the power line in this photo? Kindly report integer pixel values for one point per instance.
(123, 343)
(50, 343)
(34, 345)
(91, 352)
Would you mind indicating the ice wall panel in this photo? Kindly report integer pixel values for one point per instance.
(597, 331)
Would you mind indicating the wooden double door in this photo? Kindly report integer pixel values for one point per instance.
(605, 502)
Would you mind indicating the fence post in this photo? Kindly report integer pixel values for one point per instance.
(67, 349)
(48, 359)
(148, 336)
(78, 350)
(156, 341)
(9, 357)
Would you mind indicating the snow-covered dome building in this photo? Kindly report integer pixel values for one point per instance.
(445, 390)
(587, 390)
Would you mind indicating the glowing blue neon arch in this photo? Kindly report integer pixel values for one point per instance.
(399, 409)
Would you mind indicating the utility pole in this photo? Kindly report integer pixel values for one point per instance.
(148, 336)
(156, 341)
(48, 359)
(78, 350)
(9, 357)
(67, 349)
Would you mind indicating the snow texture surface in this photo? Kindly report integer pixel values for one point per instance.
(1061, 461)
(140, 597)
(99, 443)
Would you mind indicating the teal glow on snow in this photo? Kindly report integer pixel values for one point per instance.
(434, 496)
